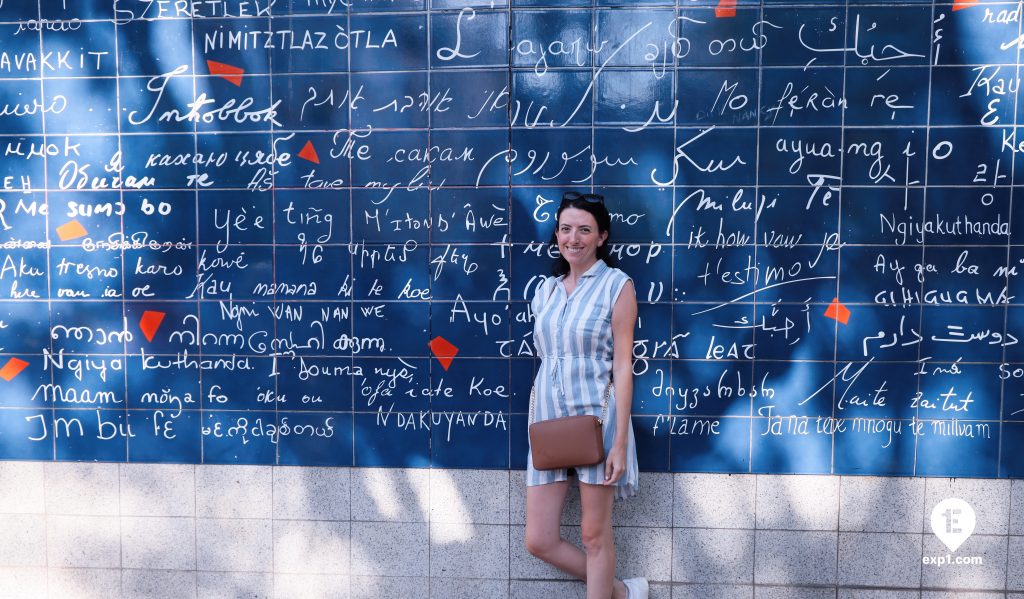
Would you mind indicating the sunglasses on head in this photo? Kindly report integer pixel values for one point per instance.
(572, 196)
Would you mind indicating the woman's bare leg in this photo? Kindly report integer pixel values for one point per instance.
(600, 544)
(543, 538)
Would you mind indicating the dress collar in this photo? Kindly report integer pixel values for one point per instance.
(596, 269)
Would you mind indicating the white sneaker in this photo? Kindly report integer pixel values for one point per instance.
(637, 587)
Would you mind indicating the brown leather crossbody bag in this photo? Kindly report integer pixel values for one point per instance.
(568, 441)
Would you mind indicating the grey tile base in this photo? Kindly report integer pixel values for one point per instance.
(337, 533)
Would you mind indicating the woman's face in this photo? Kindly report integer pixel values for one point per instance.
(578, 237)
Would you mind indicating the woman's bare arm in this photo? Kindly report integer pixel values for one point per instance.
(623, 321)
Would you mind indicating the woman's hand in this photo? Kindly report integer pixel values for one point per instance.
(615, 464)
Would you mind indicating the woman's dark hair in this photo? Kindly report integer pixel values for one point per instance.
(594, 204)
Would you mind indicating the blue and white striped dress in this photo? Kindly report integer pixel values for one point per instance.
(573, 337)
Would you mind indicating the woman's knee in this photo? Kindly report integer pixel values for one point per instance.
(597, 535)
(540, 543)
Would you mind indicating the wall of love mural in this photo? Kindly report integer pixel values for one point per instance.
(307, 231)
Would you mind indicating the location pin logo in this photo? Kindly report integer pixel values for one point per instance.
(953, 521)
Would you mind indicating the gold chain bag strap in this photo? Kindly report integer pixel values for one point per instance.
(568, 441)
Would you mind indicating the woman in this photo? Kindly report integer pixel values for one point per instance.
(583, 329)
